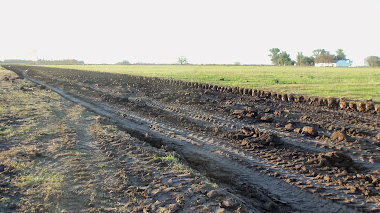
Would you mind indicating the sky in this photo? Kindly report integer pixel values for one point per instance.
(203, 31)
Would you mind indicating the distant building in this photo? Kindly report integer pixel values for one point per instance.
(343, 63)
(334, 63)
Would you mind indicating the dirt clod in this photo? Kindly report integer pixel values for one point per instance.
(213, 193)
(267, 119)
(336, 159)
(229, 203)
(239, 112)
(332, 102)
(264, 139)
(360, 106)
(378, 137)
(289, 127)
(308, 130)
(339, 136)
(297, 130)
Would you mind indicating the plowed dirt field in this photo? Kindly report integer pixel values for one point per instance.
(265, 152)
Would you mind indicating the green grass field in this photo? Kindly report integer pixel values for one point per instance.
(353, 83)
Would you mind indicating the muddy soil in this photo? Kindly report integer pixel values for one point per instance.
(273, 153)
(58, 156)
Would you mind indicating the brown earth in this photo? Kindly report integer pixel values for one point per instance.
(57, 156)
(271, 152)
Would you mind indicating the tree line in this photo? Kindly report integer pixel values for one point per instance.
(16, 61)
(43, 62)
(282, 58)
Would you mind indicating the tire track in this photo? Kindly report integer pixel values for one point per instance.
(190, 145)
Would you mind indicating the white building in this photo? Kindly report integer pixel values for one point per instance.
(335, 63)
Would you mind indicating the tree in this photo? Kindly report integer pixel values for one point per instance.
(280, 58)
(323, 56)
(274, 55)
(299, 58)
(284, 59)
(318, 52)
(373, 61)
(182, 60)
(123, 62)
(307, 61)
(340, 55)
(304, 60)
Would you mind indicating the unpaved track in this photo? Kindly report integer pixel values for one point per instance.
(243, 142)
(58, 156)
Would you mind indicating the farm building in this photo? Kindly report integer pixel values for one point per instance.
(335, 63)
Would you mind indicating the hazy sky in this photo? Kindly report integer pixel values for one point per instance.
(204, 31)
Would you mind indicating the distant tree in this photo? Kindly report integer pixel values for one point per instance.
(340, 55)
(284, 59)
(323, 56)
(318, 52)
(125, 62)
(308, 61)
(274, 55)
(299, 58)
(373, 61)
(304, 60)
(182, 60)
(237, 63)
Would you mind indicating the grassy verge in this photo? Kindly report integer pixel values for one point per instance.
(24, 108)
(353, 83)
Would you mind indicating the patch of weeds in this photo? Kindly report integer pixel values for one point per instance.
(17, 129)
(79, 154)
(169, 159)
(44, 178)
(310, 76)
(43, 183)
(214, 185)
(174, 162)
(16, 165)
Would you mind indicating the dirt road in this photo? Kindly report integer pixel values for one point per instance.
(58, 156)
(269, 152)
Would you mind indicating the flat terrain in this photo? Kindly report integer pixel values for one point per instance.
(264, 153)
(352, 83)
(58, 156)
